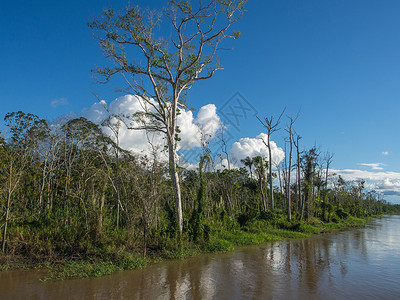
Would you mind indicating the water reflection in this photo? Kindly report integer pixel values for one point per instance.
(350, 264)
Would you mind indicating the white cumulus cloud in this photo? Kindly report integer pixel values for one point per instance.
(193, 129)
(385, 182)
(255, 147)
(203, 128)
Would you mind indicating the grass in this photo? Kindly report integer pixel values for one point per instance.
(257, 232)
(226, 241)
(93, 268)
(349, 222)
(116, 253)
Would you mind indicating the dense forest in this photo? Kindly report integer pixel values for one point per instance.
(70, 192)
(67, 190)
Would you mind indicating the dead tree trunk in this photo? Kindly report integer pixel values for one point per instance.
(271, 127)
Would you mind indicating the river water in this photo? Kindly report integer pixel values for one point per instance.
(353, 264)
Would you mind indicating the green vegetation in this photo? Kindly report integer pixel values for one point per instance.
(72, 200)
(67, 207)
(105, 258)
(67, 204)
(94, 268)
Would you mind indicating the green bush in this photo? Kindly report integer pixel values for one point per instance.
(218, 245)
(84, 269)
(307, 228)
(129, 262)
(341, 213)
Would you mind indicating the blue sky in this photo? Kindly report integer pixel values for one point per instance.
(335, 61)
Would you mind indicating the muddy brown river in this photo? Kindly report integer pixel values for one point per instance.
(353, 264)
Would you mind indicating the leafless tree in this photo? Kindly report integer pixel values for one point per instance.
(272, 126)
(163, 70)
(290, 131)
(297, 146)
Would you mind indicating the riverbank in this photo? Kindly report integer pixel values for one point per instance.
(110, 254)
(357, 263)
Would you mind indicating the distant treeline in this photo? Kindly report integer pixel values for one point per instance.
(68, 190)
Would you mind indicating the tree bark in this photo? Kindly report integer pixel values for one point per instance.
(289, 212)
(300, 203)
(175, 181)
(271, 191)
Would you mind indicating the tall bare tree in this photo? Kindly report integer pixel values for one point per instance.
(161, 70)
(272, 126)
(290, 131)
(296, 143)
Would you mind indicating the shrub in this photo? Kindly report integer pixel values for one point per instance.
(341, 213)
(218, 245)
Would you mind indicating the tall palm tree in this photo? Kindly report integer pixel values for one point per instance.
(248, 162)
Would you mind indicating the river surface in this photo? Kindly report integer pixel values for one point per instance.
(353, 264)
